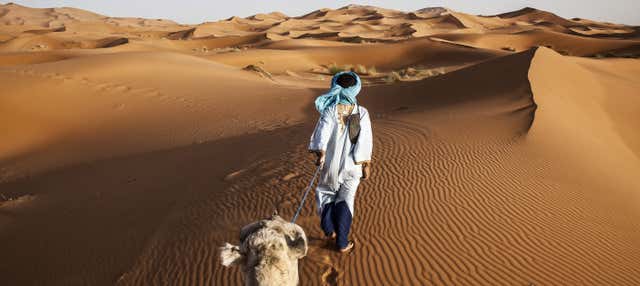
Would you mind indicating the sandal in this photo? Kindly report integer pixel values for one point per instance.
(348, 248)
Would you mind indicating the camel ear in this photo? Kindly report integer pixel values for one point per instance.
(297, 244)
(230, 255)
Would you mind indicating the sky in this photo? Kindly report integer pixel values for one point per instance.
(198, 11)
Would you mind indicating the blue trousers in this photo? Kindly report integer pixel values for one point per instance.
(336, 217)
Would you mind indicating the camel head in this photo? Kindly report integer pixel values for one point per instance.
(268, 253)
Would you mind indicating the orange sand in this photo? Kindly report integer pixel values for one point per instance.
(130, 149)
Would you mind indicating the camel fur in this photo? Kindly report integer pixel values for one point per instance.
(268, 253)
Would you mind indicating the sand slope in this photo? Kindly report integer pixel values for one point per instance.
(113, 91)
(130, 164)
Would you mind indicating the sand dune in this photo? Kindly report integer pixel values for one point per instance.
(421, 52)
(351, 23)
(566, 44)
(117, 88)
(132, 148)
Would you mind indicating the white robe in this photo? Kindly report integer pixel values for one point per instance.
(340, 175)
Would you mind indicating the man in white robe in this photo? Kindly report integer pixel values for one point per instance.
(342, 141)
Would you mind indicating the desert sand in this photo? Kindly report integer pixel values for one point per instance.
(506, 149)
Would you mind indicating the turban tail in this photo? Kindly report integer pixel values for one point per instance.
(338, 94)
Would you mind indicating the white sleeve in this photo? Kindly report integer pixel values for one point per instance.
(322, 133)
(364, 146)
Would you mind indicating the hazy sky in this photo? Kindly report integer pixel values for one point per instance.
(197, 11)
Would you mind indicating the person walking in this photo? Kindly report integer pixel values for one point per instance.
(342, 142)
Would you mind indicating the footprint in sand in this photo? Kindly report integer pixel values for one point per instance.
(57, 76)
(234, 175)
(150, 93)
(330, 276)
(122, 88)
(14, 203)
(103, 86)
(320, 253)
(119, 106)
(290, 176)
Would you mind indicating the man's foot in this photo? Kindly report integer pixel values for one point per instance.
(332, 236)
(347, 248)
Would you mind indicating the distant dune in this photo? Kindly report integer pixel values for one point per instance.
(506, 149)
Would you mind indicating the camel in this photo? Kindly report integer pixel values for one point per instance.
(268, 253)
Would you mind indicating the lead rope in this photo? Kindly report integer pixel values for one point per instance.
(295, 217)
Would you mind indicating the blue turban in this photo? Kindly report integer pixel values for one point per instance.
(338, 94)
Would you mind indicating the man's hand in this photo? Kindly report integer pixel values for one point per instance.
(319, 156)
(366, 170)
